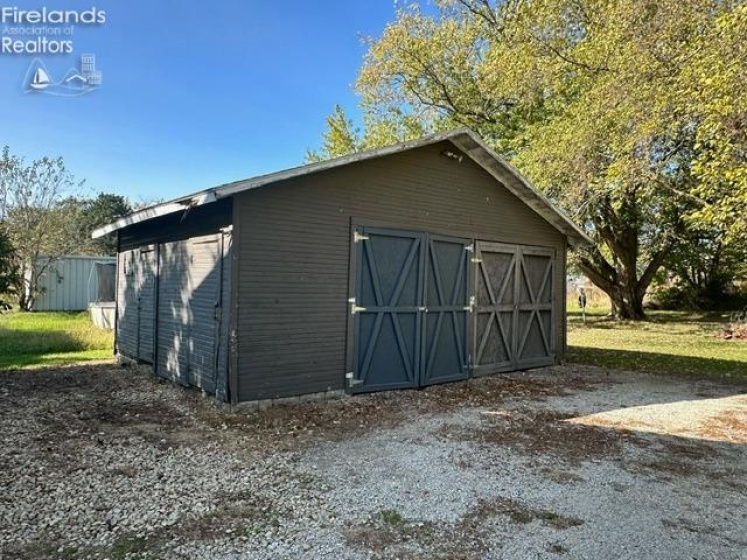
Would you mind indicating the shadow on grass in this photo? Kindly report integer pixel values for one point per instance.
(20, 348)
(603, 319)
(54, 360)
(652, 362)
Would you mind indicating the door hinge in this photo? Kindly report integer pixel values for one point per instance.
(352, 381)
(354, 308)
(469, 248)
(358, 237)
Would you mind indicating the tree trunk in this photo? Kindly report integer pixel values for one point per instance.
(622, 284)
(24, 302)
(627, 306)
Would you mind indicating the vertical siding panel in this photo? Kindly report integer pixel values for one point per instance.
(173, 323)
(126, 306)
(221, 388)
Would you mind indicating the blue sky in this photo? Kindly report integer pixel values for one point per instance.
(193, 94)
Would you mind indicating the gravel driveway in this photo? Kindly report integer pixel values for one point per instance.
(566, 462)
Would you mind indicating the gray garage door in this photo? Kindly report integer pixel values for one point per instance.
(189, 305)
(410, 317)
(513, 315)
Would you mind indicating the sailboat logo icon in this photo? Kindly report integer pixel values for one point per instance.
(40, 80)
(76, 82)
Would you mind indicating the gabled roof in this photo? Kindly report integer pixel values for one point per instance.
(462, 138)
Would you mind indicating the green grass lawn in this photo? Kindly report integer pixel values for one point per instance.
(34, 339)
(669, 342)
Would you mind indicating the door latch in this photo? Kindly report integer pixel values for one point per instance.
(472, 304)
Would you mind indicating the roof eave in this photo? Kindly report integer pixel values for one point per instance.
(155, 211)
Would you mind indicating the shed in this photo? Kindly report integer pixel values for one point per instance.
(71, 282)
(424, 262)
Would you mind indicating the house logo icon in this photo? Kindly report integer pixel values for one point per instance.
(76, 81)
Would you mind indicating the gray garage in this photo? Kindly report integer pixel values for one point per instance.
(424, 262)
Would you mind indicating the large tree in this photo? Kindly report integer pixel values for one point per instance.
(588, 98)
(38, 220)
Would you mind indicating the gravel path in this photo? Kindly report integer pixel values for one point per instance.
(568, 462)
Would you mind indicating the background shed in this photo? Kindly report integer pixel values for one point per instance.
(72, 282)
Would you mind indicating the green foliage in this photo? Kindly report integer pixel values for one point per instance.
(340, 138)
(8, 265)
(100, 211)
(628, 114)
(685, 297)
(712, 93)
(392, 517)
(59, 338)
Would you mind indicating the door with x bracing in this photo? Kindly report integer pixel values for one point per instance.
(514, 307)
(410, 309)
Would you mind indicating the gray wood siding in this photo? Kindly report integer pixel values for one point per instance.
(136, 297)
(293, 241)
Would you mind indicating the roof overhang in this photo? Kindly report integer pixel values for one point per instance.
(462, 138)
(156, 211)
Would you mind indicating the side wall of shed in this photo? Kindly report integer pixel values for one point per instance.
(294, 240)
(149, 325)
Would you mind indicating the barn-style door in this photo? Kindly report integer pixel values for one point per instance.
(409, 310)
(513, 313)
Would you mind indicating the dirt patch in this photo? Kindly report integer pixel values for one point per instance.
(728, 426)
(543, 433)
(390, 535)
(299, 425)
(239, 514)
(676, 458)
